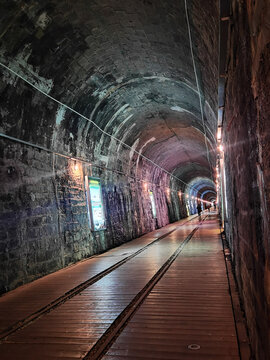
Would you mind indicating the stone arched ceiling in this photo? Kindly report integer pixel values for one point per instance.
(201, 187)
(127, 67)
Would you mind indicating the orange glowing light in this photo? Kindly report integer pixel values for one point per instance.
(219, 133)
(75, 167)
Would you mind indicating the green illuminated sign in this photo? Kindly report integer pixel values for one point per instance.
(95, 205)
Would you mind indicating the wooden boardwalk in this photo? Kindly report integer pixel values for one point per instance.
(188, 305)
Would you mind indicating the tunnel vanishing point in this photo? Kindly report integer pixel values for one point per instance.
(117, 117)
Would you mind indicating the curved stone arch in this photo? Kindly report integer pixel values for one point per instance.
(209, 195)
(199, 183)
(210, 137)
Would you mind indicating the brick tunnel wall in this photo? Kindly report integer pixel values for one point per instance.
(247, 155)
(44, 223)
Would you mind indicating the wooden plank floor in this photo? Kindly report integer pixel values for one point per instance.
(71, 329)
(22, 302)
(189, 305)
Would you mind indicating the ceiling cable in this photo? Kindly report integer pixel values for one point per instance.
(198, 87)
(92, 122)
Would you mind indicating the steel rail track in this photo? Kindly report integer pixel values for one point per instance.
(108, 338)
(78, 289)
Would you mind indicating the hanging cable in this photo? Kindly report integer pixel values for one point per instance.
(92, 122)
(198, 87)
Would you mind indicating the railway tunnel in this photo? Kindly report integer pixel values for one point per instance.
(117, 119)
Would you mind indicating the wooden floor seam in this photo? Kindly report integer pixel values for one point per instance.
(187, 314)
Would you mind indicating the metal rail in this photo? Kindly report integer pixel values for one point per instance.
(78, 289)
(109, 337)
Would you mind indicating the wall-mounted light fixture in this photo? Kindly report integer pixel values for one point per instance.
(219, 135)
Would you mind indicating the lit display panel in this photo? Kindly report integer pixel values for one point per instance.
(96, 205)
(154, 211)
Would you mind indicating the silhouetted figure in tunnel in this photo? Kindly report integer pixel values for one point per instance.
(199, 209)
